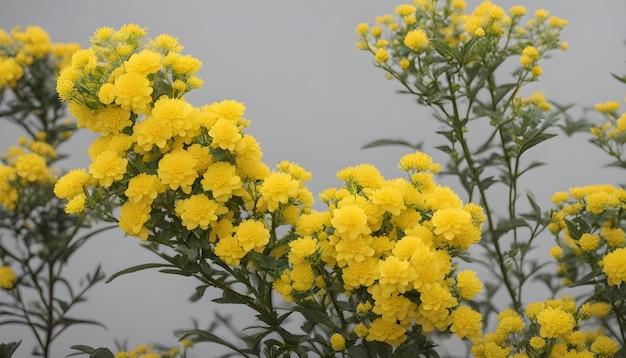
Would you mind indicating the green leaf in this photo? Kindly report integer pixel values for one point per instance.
(502, 90)
(315, 316)
(204, 336)
(534, 141)
(135, 269)
(506, 225)
(385, 142)
(588, 279)
(94, 352)
(442, 48)
(7, 349)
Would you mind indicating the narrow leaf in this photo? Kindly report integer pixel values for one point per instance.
(385, 142)
(135, 269)
(534, 141)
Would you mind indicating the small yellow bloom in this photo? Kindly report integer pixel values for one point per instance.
(536, 71)
(416, 40)
(381, 55)
(362, 28)
(76, 205)
(338, 342)
(7, 277)
(614, 266)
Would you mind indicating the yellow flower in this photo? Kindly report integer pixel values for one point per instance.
(229, 250)
(362, 28)
(166, 43)
(71, 183)
(32, 167)
(278, 188)
(350, 221)
(177, 113)
(283, 286)
(405, 9)
(177, 170)
(416, 40)
(8, 193)
(555, 323)
(453, 226)
(614, 266)
(151, 132)
(112, 120)
(144, 188)
(381, 55)
(302, 276)
(395, 275)
(301, 248)
(7, 277)
(108, 167)
(144, 63)
(222, 181)
(518, 10)
(361, 330)
(76, 204)
(133, 92)
(537, 342)
(466, 323)
(391, 308)
(589, 242)
(197, 211)
(468, 284)
(338, 342)
(604, 346)
(556, 252)
(612, 236)
(226, 134)
(348, 250)
(252, 235)
(360, 273)
(10, 72)
(184, 65)
(536, 71)
(388, 332)
(133, 216)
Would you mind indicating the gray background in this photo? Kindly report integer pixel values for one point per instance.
(312, 99)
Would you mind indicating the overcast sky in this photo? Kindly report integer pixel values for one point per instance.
(312, 99)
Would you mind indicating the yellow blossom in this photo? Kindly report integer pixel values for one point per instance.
(222, 181)
(388, 332)
(614, 266)
(466, 323)
(133, 216)
(32, 167)
(108, 167)
(301, 248)
(144, 188)
(395, 275)
(7, 277)
(177, 170)
(278, 189)
(229, 250)
(338, 342)
(604, 346)
(252, 235)
(197, 211)
(468, 284)
(76, 204)
(416, 40)
(71, 183)
(555, 323)
(133, 92)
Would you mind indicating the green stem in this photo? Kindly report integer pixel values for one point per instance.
(475, 176)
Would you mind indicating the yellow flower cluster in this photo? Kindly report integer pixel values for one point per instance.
(23, 166)
(390, 243)
(408, 46)
(611, 134)
(588, 224)
(556, 332)
(166, 161)
(21, 48)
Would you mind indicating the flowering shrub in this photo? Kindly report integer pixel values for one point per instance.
(189, 179)
(380, 270)
(37, 234)
(451, 60)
